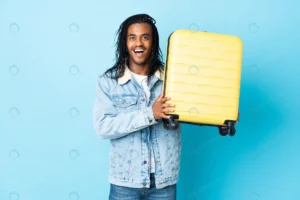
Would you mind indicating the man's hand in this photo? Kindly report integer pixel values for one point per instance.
(160, 107)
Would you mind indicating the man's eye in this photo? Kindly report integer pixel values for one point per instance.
(146, 37)
(131, 38)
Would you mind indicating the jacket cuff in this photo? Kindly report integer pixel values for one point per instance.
(149, 117)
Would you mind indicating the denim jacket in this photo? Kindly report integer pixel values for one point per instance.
(122, 115)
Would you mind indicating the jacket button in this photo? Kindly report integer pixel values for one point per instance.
(144, 140)
(145, 162)
(143, 99)
(150, 120)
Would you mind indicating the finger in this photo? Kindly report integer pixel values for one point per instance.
(165, 116)
(167, 110)
(166, 105)
(165, 99)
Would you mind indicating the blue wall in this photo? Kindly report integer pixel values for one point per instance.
(51, 52)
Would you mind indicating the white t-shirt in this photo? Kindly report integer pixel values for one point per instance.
(143, 81)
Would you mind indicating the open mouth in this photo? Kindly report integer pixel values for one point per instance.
(138, 51)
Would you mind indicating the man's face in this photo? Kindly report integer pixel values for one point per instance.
(139, 43)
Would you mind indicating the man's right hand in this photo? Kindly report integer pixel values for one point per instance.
(160, 107)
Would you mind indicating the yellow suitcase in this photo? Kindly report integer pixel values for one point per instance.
(202, 77)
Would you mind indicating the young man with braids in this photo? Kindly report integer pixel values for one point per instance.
(129, 108)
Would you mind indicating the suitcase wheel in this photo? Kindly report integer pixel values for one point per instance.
(223, 131)
(229, 130)
(232, 131)
(172, 123)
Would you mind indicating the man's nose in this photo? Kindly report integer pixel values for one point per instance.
(139, 42)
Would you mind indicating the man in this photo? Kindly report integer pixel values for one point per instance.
(129, 108)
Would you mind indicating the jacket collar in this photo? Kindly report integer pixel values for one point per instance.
(127, 75)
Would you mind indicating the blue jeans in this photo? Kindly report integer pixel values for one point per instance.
(125, 193)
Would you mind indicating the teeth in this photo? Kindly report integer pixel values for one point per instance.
(138, 51)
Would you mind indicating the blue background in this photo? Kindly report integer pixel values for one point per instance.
(51, 53)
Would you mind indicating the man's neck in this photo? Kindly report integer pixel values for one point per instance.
(139, 69)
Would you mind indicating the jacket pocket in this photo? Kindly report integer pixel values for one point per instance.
(124, 100)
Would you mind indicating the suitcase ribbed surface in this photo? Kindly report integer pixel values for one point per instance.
(203, 76)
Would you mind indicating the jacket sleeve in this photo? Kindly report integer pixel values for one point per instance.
(109, 124)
